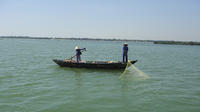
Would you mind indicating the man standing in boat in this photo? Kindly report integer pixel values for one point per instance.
(125, 53)
(78, 53)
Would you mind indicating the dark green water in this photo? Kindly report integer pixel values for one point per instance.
(31, 82)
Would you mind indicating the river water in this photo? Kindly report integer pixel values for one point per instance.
(31, 82)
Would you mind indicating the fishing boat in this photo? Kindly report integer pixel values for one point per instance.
(92, 64)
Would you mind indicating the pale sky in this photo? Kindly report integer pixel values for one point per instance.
(121, 19)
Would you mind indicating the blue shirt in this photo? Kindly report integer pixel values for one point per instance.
(125, 49)
(78, 51)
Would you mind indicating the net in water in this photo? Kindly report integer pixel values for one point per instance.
(132, 72)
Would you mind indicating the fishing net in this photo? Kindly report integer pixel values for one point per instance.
(133, 73)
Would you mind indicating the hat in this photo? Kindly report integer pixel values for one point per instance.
(125, 44)
(77, 47)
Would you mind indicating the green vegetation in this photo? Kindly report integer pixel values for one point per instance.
(177, 42)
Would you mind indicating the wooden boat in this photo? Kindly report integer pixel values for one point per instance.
(92, 64)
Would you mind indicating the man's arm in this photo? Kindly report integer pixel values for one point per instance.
(83, 49)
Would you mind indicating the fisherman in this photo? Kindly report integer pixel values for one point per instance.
(78, 53)
(125, 52)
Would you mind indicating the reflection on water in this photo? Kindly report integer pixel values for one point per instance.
(78, 79)
(78, 88)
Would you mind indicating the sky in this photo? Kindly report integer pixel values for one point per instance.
(120, 19)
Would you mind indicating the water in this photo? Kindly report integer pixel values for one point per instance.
(31, 82)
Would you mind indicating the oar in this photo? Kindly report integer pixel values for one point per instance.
(84, 49)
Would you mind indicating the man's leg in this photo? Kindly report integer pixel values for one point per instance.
(77, 58)
(123, 57)
(80, 58)
(126, 58)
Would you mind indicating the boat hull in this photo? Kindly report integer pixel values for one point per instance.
(92, 64)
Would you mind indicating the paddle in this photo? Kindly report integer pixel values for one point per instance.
(84, 49)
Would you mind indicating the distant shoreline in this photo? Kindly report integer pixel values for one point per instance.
(98, 39)
(177, 42)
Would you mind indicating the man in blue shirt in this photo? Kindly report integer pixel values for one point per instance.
(125, 52)
(78, 53)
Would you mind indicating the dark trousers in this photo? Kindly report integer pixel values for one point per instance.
(125, 56)
(78, 58)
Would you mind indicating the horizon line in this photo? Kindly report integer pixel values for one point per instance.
(86, 38)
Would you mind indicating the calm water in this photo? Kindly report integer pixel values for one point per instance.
(31, 82)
